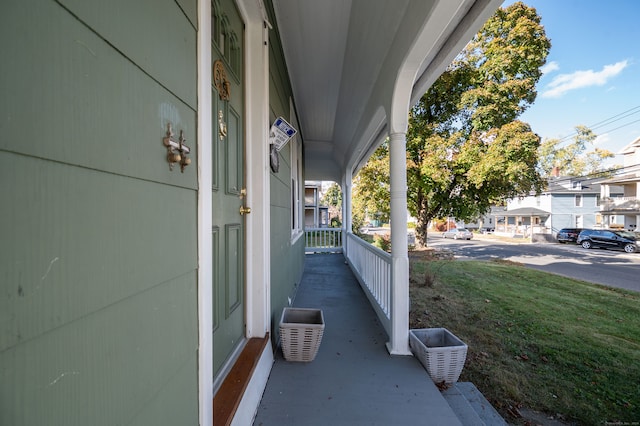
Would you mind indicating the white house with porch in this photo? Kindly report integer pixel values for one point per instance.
(623, 209)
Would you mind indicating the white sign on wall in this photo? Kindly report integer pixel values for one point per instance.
(280, 133)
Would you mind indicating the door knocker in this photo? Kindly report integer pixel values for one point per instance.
(222, 126)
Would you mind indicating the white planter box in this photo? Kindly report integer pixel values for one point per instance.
(301, 331)
(440, 352)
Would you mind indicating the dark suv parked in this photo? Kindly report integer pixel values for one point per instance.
(605, 238)
(568, 235)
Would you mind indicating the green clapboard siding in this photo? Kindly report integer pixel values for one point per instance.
(287, 256)
(190, 9)
(81, 240)
(70, 97)
(153, 34)
(110, 368)
(98, 255)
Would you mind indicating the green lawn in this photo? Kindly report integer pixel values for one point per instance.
(536, 340)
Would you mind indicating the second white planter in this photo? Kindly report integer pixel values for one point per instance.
(441, 353)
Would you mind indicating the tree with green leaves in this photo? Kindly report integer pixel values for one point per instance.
(466, 150)
(371, 189)
(333, 199)
(333, 196)
(579, 158)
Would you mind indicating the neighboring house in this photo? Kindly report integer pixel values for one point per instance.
(315, 215)
(486, 222)
(567, 202)
(622, 210)
(147, 244)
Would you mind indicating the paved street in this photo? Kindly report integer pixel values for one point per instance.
(606, 267)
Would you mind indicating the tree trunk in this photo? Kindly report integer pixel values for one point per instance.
(423, 220)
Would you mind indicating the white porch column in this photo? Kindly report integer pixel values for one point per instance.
(347, 179)
(399, 339)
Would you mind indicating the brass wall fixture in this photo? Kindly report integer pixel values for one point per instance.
(176, 151)
(244, 209)
(220, 80)
(222, 126)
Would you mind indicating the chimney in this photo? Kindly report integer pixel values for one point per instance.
(555, 172)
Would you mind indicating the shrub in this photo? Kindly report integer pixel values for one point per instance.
(383, 242)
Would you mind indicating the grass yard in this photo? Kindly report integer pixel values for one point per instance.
(536, 340)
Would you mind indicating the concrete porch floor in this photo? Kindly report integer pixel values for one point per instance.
(353, 379)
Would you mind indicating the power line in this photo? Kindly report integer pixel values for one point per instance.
(624, 125)
(617, 115)
(624, 114)
(613, 121)
(598, 175)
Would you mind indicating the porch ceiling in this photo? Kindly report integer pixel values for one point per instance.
(344, 58)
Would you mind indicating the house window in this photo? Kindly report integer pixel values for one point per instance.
(598, 200)
(297, 208)
(216, 30)
(579, 222)
(225, 39)
(578, 201)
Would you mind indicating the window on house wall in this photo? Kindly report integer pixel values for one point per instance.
(215, 22)
(225, 39)
(579, 221)
(578, 201)
(297, 209)
(294, 203)
(598, 200)
(224, 32)
(234, 54)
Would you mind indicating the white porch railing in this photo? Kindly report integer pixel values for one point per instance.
(622, 203)
(372, 268)
(326, 240)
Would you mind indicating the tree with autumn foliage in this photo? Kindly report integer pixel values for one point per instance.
(578, 158)
(333, 199)
(466, 150)
(371, 189)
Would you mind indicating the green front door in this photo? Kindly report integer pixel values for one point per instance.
(228, 181)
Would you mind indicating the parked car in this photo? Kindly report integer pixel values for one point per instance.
(458, 234)
(606, 238)
(568, 235)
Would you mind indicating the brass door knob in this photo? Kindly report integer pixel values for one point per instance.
(245, 210)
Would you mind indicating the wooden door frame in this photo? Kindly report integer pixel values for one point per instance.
(257, 226)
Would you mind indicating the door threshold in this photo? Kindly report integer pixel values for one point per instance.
(228, 397)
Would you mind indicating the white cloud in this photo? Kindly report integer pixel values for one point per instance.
(603, 139)
(579, 79)
(550, 67)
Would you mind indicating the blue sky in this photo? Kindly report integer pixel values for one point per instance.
(592, 76)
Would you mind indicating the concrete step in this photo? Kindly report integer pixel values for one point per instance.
(471, 406)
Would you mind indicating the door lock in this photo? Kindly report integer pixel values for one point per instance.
(245, 210)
